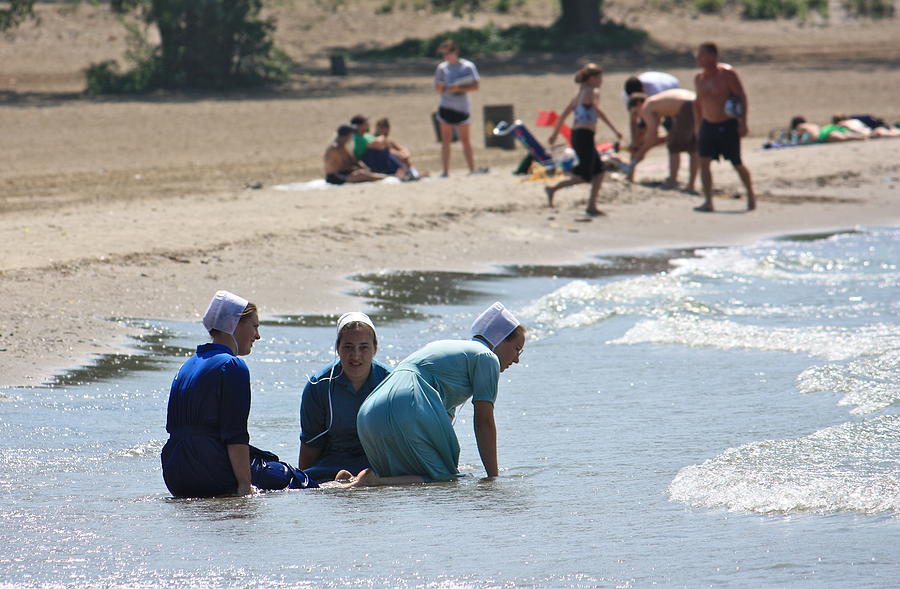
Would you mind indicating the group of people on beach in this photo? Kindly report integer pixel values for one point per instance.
(707, 124)
(361, 423)
(373, 157)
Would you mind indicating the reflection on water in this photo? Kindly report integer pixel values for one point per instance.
(609, 266)
(801, 237)
(151, 350)
(671, 425)
(217, 508)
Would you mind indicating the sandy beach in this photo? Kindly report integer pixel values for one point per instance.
(116, 208)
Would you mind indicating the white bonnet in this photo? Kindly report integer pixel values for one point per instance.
(494, 324)
(351, 317)
(224, 312)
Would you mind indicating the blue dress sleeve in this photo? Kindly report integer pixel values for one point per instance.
(485, 377)
(234, 405)
(313, 415)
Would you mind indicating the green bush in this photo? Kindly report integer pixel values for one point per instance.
(709, 6)
(772, 9)
(491, 39)
(870, 8)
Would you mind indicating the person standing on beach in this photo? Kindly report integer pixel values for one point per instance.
(406, 424)
(331, 399)
(454, 78)
(720, 118)
(585, 106)
(648, 84)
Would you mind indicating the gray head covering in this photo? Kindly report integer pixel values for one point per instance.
(494, 324)
(224, 312)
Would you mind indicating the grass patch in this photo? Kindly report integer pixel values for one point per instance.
(870, 8)
(769, 9)
(490, 40)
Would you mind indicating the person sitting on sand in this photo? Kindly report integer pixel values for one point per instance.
(341, 166)
(585, 106)
(383, 131)
(678, 104)
(374, 151)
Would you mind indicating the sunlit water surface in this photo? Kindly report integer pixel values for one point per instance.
(724, 419)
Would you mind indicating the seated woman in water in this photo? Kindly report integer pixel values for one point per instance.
(331, 400)
(208, 452)
(405, 425)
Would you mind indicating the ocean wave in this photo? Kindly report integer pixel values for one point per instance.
(869, 384)
(838, 260)
(849, 467)
(831, 343)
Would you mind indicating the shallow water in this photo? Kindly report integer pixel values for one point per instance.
(725, 418)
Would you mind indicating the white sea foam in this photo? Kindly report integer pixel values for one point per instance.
(831, 343)
(849, 467)
(869, 384)
(579, 304)
(777, 263)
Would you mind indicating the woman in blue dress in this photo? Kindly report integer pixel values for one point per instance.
(406, 426)
(208, 452)
(331, 399)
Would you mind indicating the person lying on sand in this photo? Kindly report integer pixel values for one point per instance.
(859, 126)
(807, 132)
(341, 166)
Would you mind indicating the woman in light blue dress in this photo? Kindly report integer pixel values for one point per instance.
(405, 425)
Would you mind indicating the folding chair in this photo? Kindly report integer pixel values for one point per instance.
(544, 163)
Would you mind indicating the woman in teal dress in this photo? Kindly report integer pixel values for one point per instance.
(405, 425)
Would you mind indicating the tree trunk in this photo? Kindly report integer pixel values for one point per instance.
(580, 16)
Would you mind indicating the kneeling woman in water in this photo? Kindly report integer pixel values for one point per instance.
(405, 425)
(208, 452)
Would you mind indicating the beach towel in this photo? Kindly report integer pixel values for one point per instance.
(321, 184)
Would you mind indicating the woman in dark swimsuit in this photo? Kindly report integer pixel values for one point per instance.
(585, 106)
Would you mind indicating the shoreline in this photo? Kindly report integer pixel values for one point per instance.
(294, 259)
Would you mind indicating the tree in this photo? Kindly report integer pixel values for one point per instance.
(203, 44)
(577, 16)
(580, 16)
(18, 11)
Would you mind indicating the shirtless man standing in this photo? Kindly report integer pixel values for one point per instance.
(719, 128)
(678, 104)
(341, 166)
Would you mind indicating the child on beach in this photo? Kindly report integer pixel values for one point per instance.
(585, 106)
